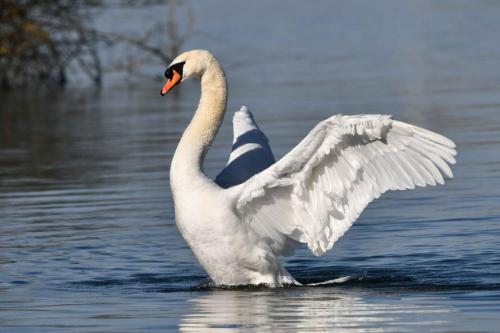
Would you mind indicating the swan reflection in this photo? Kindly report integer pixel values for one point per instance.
(309, 310)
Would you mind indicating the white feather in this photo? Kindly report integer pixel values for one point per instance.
(343, 164)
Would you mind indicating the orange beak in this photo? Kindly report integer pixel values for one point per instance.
(176, 78)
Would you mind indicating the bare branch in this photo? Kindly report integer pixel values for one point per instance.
(40, 40)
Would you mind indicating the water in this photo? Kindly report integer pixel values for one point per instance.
(87, 234)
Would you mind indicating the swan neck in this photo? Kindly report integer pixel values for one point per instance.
(202, 130)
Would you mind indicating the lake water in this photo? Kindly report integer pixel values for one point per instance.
(88, 241)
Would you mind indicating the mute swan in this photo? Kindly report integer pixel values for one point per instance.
(256, 209)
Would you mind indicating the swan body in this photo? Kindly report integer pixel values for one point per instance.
(257, 209)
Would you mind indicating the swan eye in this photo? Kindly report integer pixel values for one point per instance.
(178, 67)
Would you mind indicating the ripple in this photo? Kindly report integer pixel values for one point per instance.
(372, 280)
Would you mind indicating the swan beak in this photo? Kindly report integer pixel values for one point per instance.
(176, 78)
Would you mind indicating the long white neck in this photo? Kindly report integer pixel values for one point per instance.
(187, 164)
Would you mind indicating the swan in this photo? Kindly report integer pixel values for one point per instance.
(256, 209)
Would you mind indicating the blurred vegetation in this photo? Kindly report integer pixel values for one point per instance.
(44, 41)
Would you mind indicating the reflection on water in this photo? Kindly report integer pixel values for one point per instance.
(87, 235)
(309, 310)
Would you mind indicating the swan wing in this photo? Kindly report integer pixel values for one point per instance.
(250, 153)
(316, 192)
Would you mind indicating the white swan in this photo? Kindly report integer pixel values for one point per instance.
(257, 210)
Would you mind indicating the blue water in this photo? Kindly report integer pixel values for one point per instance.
(88, 241)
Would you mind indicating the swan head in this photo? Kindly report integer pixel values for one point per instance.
(186, 65)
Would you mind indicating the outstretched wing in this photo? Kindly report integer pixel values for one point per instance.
(250, 153)
(316, 192)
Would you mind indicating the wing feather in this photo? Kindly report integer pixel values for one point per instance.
(250, 153)
(316, 192)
